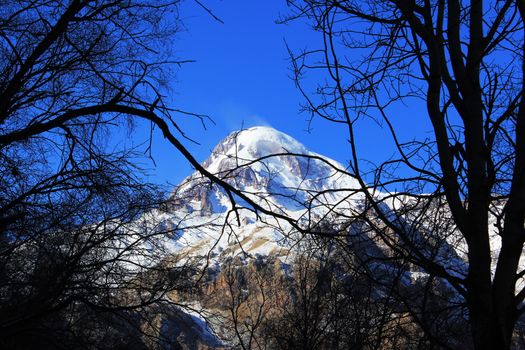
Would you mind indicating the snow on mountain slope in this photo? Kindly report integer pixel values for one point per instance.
(281, 177)
(285, 179)
(280, 174)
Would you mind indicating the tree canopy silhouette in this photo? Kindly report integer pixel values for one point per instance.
(77, 255)
(464, 182)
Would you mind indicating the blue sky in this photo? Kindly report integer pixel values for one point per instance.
(241, 77)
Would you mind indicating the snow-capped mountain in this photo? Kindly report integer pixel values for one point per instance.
(210, 225)
(280, 174)
(272, 169)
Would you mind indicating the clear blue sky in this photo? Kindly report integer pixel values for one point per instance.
(241, 75)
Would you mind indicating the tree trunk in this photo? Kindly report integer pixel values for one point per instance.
(492, 326)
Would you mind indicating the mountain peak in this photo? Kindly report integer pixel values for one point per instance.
(291, 171)
(258, 141)
(261, 131)
(291, 181)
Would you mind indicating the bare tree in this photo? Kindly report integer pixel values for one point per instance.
(79, 254)
(245, 295)
(331, 304)
(461, 185)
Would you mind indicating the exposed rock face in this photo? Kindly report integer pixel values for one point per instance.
(174, 328)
